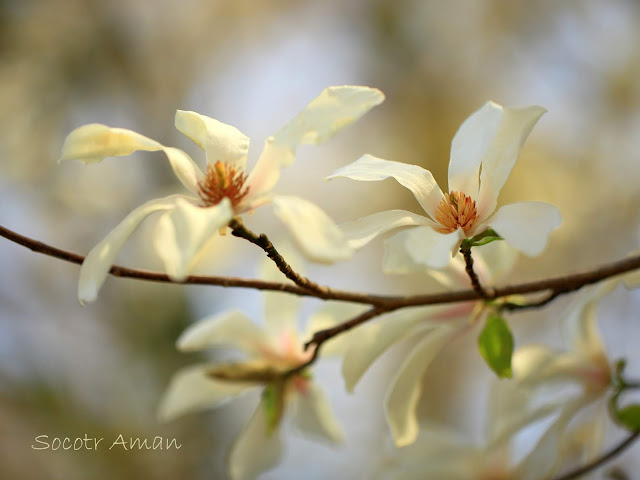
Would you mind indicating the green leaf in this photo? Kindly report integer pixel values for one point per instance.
(488, 236)
(495, 344)
(273, 404)
(630, 417)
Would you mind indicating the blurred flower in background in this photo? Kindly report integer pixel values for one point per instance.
(68, 370)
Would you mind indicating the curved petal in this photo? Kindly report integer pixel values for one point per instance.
(372, 340)
(94, 142)
(360, 232)
(255, 450)
(182, 232)
(334, 109)
(314, 232)
(494, 260)
(191, 390)
(420, 181)
(503, 153)
(470, 145)
(404, 393)
(422, 246)
(526, 225)
(233, 329)
(220, 141)
(98, 262)
(313, 415)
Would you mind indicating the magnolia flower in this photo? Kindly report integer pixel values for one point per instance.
(224, 189)
(442, 454)
(430, 328)
(270, 352)
(483, 152)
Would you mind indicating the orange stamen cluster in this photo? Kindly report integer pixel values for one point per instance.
(222, 181)
(456, 210)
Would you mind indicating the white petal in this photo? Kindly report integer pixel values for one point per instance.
(314, 232)
(94, 142)
(327, 316)
(314, 417)
(526, 225)
(469, 146)
(191, 390)
(403, 395)
(360, 232)
(255, 451)
(182, 232)
(503, 153)
(494, 260)
(371, 341)
(233, 329)
(422, 246)
(96, 266)
(220, 141)
(334, 109)
(420, 181)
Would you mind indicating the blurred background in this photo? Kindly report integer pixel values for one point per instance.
(67, 370)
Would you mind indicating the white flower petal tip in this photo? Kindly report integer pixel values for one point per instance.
(221, 141)
(421, 246)
(317, 236)
(94, 142)
(526, 226)
(313, 416)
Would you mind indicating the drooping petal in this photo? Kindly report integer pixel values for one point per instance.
(420, 181)
(231, 329)
(422, 246)
(191, 390)
(371, 341)
(313, 415)
(220, 141)
(182, 232)
(494, 260)
(526, 225)
(360, 232)
(503, 153)
(334, 109)
(94, 142)
(98, 262)
(469, 146)
(403, 395)
(255, 450)
(314, 232)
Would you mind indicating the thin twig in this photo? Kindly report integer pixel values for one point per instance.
(618, 449)
(465, 250)
(536, 304)
(561, 284)
(239, 230)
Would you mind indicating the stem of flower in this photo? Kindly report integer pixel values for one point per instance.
(239, 230)
(465, 249)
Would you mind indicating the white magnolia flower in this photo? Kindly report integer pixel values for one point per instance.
(269, 351)
(442, 454)
(224, 189)
(483, 152)
(430, 328)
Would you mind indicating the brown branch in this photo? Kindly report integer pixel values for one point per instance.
(239, 230)
(465, 250)
(618, 449)
(560, 285)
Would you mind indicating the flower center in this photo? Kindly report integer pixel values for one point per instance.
(456, 210)
(222, 181)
